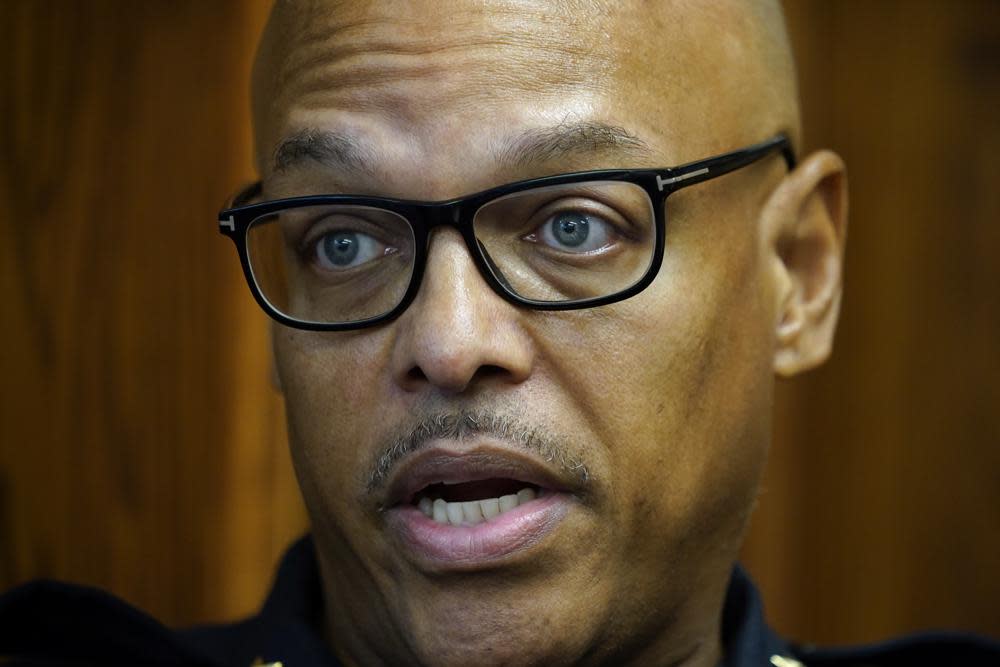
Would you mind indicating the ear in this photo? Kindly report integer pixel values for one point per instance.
(805, 223)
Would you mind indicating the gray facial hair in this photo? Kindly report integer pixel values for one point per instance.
(466, 424)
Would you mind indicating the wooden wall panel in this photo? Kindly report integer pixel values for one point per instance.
(142, 450)
(882, 509)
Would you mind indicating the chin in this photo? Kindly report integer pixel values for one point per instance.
(503, 622)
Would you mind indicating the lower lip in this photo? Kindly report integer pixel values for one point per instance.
(444, 546)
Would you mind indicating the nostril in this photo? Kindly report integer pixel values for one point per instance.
(416, 374)
(490, 370)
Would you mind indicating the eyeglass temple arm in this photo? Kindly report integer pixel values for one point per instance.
(703, 170)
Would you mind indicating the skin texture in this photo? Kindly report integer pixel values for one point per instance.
(665, 397)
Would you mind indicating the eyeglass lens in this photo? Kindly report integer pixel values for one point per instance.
(570, 242)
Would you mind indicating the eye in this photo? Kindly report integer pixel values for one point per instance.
(574, 231)
(344, 249)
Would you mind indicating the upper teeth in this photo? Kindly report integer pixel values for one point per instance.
(473, 511)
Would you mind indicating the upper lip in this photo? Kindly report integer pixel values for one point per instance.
(441, 463)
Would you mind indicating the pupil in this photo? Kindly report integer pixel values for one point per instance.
(340, 248)
(571, 229)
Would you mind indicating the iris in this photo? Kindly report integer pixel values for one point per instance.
(570, 229)
(341, 248)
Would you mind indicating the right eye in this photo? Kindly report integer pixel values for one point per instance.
(338, 250)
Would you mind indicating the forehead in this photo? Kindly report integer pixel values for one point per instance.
(432, 80)
(440, 52)
(428, 54)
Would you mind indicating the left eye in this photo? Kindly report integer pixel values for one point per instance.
(345, 249)
(575, 231)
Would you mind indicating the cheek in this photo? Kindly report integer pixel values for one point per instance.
(320, 372)
(715, 428)
(331, 387)
(676, 385)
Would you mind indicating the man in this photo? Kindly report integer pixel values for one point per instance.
(533, 268)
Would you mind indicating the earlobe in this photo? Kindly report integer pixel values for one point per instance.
(807, 218)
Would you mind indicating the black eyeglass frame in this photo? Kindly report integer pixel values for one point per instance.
(236, 218)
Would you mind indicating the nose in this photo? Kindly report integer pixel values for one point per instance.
(458, 332)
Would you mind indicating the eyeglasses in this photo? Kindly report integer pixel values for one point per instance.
(580, 240)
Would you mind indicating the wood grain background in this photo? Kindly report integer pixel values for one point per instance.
(142, 449)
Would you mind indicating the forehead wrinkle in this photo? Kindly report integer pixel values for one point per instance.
(361, 55)
(330, 35)
(487, 62)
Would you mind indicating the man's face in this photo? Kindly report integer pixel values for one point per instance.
(641, 426)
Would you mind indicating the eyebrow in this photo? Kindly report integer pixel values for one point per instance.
(571, 139)
(333, 149)
(563, 141)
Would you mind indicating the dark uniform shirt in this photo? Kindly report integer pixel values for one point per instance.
(48, 623)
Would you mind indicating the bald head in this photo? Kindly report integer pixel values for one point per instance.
(721, 71)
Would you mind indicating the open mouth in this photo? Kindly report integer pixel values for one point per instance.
(473, 508)
(470, 503)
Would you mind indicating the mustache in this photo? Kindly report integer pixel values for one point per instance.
(464, 425)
